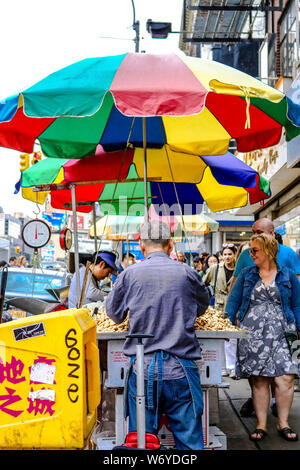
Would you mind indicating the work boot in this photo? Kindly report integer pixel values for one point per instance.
(247, 408)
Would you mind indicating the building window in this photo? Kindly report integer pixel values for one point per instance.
(288, 40)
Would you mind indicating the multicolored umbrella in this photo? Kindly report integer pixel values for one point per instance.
(195, 106)
(222, 181)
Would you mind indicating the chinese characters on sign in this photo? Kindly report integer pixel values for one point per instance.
(261, 160)
(12, 372)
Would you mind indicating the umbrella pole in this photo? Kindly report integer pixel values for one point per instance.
(95, 225)
(127, 254)
(76, 254)
(145, 169)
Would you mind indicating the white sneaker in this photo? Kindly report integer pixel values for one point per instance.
(225, 373)
(232, 374)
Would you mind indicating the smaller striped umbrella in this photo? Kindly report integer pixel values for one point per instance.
(119, 227)
(222, 181)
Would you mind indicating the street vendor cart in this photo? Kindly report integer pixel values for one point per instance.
(115, 365)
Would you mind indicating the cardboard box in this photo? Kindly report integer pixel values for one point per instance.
(117, 364)
(210, 366)
(106, 443)
(220, 436)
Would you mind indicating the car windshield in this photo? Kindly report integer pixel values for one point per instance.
(28, 284)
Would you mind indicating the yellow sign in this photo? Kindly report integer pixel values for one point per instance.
(49, 381)
(260, 160)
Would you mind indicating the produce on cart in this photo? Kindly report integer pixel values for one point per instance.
(211, 320)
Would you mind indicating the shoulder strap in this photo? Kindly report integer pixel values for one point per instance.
(216, 276)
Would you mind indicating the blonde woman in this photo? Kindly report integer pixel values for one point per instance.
(267, 297)
(21, 262)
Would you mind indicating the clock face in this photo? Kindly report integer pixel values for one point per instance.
(36, 233)
(66, 239)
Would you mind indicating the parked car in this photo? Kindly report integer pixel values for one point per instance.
(27, 282)
(56, 265)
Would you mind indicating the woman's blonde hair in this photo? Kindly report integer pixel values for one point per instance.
(20, 260)
(267, 243)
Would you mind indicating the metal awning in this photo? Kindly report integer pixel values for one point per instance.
(225, 20)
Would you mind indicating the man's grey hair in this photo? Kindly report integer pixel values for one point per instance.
(155, 233)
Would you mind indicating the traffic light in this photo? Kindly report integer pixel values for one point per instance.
(24, 161)
(158, 30)
(37, 156)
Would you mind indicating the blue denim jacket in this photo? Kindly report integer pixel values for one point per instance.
(288, 286)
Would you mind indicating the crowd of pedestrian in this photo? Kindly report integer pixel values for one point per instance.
(256, 285)
(14, 262)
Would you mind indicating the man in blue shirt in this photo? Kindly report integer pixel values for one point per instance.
(285, 257)
(164, 298)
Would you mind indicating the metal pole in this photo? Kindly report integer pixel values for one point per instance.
(76, 254)
(119, 417)
(127, 254)
(136, 27)
(95, 226)
(140, 396)
(145, 169)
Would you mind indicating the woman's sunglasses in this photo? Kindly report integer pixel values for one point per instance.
(228, 245)
(253, 251)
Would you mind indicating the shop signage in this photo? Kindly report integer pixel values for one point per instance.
(56, 219)
(14, 229)
(80, 222)
(266, 161)
(48, 252)
(134, 248)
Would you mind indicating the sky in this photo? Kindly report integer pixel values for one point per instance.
(39, 37)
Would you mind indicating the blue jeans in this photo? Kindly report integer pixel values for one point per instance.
(176, 402)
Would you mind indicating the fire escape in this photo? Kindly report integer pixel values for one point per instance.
(228, 21)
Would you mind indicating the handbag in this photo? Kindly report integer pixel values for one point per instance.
(212, 298)
(291, 339)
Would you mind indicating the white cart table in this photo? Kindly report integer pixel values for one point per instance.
(116, 364)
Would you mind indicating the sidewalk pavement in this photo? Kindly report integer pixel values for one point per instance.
(238, 429)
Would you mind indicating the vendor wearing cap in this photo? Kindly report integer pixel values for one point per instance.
(103, 265)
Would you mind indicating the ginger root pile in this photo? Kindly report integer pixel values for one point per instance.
(106, 325)
(211, 320)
